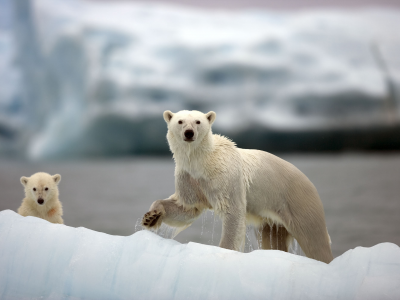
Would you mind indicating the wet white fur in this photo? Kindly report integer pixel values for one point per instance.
(51, 209)
(242, 186)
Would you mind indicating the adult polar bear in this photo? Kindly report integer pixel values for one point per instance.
(242, 186)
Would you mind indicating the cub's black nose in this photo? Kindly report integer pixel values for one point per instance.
(189, 134)
(40, 201)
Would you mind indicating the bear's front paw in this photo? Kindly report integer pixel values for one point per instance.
(151, 218)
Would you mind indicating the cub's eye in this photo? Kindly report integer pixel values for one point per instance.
(197, 122)
(34, 189)
(180, 122)
(46, 189)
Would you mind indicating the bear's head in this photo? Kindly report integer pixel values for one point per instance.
(189, 126)
(41, 187)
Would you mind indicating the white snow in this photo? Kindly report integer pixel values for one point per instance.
(43, 260)
(118, 65)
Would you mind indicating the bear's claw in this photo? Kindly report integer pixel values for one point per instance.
(150, 218)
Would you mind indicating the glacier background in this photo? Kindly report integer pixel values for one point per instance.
(83, 78)
(43, 260)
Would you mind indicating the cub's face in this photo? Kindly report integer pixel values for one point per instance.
(189, 126)
(41, 187)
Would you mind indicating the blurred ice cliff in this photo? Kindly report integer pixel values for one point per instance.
(92, 78)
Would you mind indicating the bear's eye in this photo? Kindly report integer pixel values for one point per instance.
(180, 122)
(34, 189)
(46, 189)
(197, 122)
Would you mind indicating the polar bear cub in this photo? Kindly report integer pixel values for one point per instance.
(242, 186)
(41, 197)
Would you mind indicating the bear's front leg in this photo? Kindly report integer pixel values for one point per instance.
(169, 212)
(233, 230)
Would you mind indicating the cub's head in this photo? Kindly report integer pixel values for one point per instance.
(41, 187)
(189, 126)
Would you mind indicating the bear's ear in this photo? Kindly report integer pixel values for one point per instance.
(211, 117)
(57, 178)
(24, 180)
(168, 115)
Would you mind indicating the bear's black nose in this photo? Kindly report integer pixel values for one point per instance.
(189, 134)
(40, 201)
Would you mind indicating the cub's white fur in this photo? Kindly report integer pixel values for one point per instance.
(242, 186)
(41, 197)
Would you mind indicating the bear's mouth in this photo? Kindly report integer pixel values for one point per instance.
(188, 140)
(40, 201)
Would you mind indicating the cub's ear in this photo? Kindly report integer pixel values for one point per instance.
(168, 115)
(211, 117)
(57, 178)
(24, 180)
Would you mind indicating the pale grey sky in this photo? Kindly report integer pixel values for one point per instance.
(279, 4)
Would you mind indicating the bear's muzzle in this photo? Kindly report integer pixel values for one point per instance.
(189, 134)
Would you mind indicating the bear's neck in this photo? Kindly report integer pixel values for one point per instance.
(190, 157)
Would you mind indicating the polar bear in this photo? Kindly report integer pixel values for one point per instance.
(244, 187)
(41, 197)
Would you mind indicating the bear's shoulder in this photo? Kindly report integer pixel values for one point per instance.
(221, 141)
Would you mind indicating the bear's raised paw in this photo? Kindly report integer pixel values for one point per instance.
(151, 218)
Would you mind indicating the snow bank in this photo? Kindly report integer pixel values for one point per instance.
(43, 260)
(88, 66)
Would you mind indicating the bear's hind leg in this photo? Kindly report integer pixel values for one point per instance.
(315, 243)
(274, 237)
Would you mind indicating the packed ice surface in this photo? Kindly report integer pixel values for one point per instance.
(43, 260)
(92, 78)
